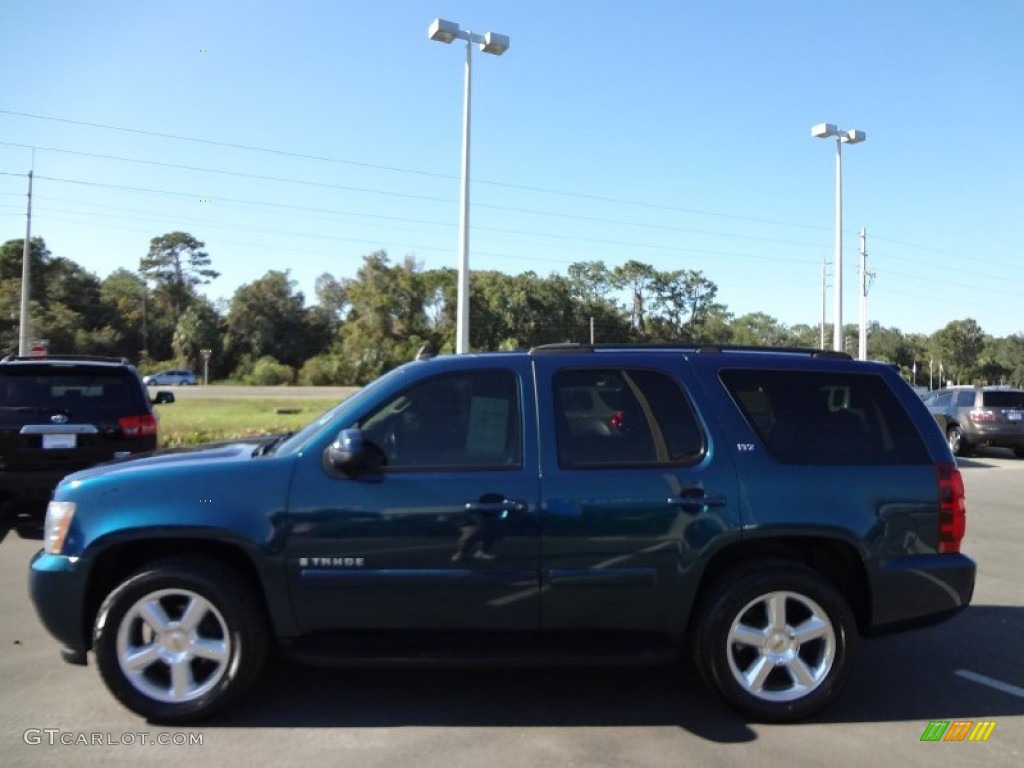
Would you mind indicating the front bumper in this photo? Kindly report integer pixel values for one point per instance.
(919, 590)
(57, 586)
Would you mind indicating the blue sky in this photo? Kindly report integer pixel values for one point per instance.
(676, 133)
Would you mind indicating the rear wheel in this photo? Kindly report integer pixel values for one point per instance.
(777, 644)
(957, 444)
(180, 639)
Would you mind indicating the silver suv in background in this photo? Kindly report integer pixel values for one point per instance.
(170, 378)
(973, 417)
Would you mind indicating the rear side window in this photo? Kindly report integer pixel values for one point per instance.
(965, 398)
(623, 417)
(825, 418)
(1003, 399)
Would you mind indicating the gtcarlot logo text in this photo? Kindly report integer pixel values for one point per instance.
(55, 737)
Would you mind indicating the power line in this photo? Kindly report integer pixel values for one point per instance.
(323, 185)
(398, 169)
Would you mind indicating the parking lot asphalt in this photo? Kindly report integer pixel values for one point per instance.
(968, 669)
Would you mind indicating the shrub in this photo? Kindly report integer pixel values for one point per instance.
(268, 372)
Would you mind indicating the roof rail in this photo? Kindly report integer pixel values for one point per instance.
(68, 358)
(701, 349)
(714, 349)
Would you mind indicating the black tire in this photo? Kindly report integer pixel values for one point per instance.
(167, 665)
(801, 675)
(957, 442)
(1019, 453)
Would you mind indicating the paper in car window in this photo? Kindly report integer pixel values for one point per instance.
(488, 422)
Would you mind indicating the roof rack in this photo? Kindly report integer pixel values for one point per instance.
(67, 358)
(700, 349)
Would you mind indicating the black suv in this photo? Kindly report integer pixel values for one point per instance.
(758, 510)
(62, 414)
(973, 417)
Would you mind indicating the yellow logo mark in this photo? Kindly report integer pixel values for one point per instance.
(982, 731)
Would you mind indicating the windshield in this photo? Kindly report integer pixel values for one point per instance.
(335, 415)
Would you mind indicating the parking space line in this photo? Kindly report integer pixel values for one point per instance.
(991, 682)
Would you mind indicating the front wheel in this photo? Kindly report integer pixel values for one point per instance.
(180, 639)
(777, 644)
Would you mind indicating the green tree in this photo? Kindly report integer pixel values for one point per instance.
(124, 302)
(200, 327)
(759, 329)
(639, 280)
(177, 264)
(268, 318)
(958, 346)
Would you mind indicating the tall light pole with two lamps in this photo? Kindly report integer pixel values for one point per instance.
(825, 131)
(489, 42)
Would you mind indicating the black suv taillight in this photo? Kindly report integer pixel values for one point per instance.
(952, 508)
(136, 426)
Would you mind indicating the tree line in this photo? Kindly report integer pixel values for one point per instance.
(358, 327)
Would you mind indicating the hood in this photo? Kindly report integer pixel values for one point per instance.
(191, 455)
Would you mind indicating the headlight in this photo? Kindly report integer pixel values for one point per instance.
(58, 520)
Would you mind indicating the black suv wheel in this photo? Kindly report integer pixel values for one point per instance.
(180, 639)
(776, 643)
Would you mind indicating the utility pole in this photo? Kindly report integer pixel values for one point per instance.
(824, 288)
(865, 280)
(24, 328)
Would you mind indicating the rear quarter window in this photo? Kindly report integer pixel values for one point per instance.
(809, 417)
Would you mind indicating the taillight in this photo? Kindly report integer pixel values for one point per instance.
(979, 415)
(952, 508)
(138, 426)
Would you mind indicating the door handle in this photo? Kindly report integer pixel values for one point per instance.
(696, 501)
(495, 508)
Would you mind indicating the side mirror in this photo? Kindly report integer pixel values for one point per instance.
(347, 453)
(163, 397)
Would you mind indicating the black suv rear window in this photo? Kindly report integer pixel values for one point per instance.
(54, 387)
(825, 418)
(1003, 399)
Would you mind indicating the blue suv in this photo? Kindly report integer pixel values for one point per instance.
(755, 511)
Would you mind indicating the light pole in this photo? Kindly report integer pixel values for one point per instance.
(824, 131)
(489, 42)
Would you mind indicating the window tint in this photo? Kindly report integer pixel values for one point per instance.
(612, 417)
(464, 421)
(1004, 398)
(825, 418)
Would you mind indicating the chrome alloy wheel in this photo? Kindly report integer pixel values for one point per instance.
(173, 646)
(782, 646)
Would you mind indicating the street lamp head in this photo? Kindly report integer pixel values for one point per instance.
(853, 137)
(824, 130)
(494, 43)
(443, 31)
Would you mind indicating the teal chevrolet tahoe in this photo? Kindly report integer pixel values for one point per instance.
(754, 512)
